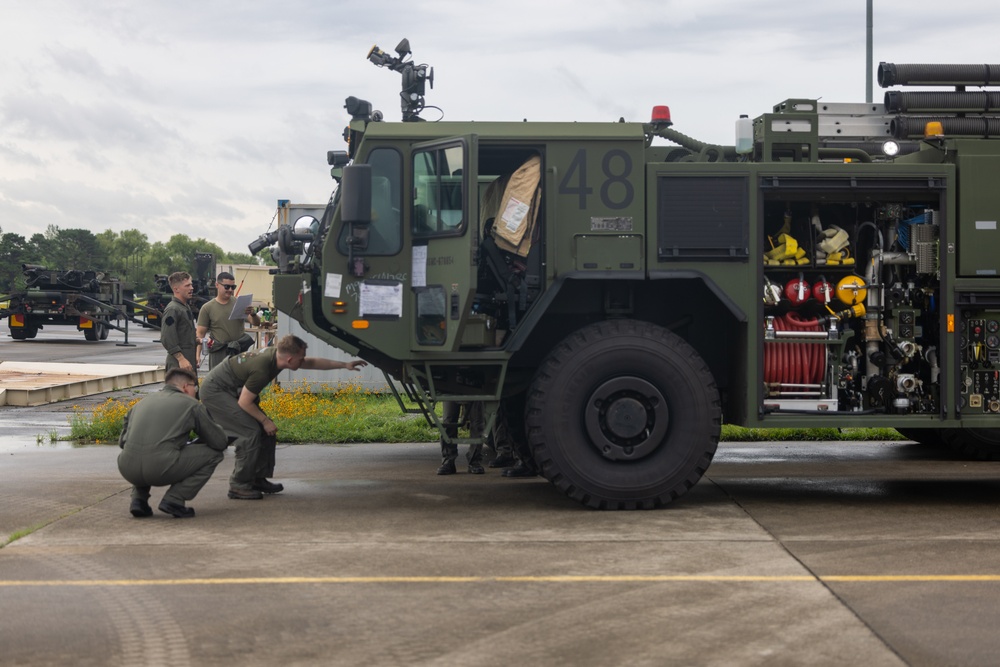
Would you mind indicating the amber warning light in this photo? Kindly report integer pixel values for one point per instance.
(661, 114)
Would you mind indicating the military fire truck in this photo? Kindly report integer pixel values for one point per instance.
(616, 291)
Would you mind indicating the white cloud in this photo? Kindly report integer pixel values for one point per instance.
(196, 117)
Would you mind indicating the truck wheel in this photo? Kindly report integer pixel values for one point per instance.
(976, 443)
(103, 335)
(31, 332)
(623, 414)
(92, 333)
(19, 333)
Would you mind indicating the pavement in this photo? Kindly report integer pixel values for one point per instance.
(785, 554)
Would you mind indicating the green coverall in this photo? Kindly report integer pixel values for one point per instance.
(177, 334)
(155, 450)
(220, 393)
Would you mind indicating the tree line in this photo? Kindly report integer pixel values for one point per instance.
(127, 255)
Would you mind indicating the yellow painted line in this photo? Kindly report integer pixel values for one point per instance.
(912, 577)
(653, 578)
(666, 578)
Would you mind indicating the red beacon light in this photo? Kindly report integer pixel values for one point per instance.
(661, 115)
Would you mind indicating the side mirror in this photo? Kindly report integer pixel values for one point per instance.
(305, 227)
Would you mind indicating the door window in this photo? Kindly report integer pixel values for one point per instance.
(438, 193)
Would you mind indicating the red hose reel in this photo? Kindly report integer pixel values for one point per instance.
(794, 363)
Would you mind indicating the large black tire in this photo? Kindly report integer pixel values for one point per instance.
(103, 335)
(981, 444)
(623, 414)
(92, 333)
(18, 333)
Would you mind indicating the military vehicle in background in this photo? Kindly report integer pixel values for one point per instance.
(203, 280)
(91, 301)
(616, 291)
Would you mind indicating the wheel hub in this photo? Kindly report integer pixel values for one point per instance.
(626, 418)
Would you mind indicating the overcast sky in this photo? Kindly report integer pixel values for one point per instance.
(197, 116)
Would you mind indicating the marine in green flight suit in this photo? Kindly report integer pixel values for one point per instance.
(155, 449)
(177, 332)
(231, 392)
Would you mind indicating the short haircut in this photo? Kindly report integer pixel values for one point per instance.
(225, 275)
(178, 277)
(180, 376)
(292, 344)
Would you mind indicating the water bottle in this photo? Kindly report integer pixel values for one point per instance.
(744, 135)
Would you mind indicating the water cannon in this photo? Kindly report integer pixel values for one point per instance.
(380, 58)
(415, 77)
(288, 242)
(263, 241)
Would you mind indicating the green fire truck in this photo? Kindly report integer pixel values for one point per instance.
(614, 292)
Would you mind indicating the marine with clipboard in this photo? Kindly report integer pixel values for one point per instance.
(221, 322)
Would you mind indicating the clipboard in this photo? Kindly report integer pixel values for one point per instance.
(243, 301)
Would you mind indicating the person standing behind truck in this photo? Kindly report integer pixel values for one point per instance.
(224, 333)
(177, 333)
(453, 414)
(231, 392)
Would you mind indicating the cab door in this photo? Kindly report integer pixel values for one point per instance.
(444, 215)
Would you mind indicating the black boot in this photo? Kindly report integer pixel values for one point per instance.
(267, 486)
(503, 461)
(175, 510)
(522, 469)
(140, 508)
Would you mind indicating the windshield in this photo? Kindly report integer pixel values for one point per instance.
(385, 235)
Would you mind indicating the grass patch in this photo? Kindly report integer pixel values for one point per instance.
(342, 413)
(732, 433)
(349, 413)
(103, 424)
(24, 532)
(333, 414)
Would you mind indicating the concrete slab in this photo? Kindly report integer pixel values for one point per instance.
(368, 557)
(783, 554)
(36, 383)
